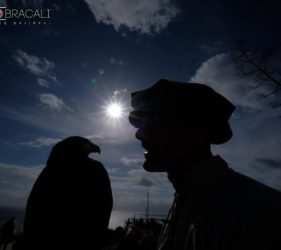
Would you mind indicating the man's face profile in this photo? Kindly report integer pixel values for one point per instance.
(156, 141)
(177, 122)
(168, 144)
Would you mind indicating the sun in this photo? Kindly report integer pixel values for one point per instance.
(114, 110)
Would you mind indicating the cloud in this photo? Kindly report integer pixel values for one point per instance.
(130, 184)
(268, 171)
(41, 142)
(138, 177)
(17, 176)
(53, 102)
(130, 190)
(116, 61)
(85, 121)
(113, 60)
(16, 183)
(101, 71)
(219, 72)
(40, 67)
(119, 92)
(255, 147)
(270, 163)
(144, 16)
(138, 203)
(132, 162)
(145, 182)
(42, 82)
(94, 136)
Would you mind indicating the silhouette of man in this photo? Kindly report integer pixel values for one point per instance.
(215, 208)
(71, 201)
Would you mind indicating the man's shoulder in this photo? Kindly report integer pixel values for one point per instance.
(217, 178)
(241, 181)
(250, 196)
(237, 187)
(255, 187)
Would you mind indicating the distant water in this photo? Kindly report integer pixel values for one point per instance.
(117, 217)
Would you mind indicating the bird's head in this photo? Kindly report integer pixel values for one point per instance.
(71, 150)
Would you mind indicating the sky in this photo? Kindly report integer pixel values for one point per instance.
(58, 77)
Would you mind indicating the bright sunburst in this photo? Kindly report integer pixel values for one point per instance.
(114, 110)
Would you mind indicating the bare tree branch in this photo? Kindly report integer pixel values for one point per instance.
(259, 65)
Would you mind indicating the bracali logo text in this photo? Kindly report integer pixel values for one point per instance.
(14, 17)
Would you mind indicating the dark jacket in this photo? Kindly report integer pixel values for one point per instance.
(220, 209)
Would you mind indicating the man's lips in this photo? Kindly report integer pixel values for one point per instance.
(149, 147)
(152, 155)
(146, 155)
(152, 152)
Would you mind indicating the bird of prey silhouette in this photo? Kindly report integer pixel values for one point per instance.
(70, 203)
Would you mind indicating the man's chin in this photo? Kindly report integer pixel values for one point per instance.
(154, 167)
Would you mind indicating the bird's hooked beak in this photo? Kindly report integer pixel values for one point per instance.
(92, 148)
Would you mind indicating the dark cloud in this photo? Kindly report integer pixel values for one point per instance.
(145, 182)
(143, 16)
(16, 182)
(35, 65)
(219, 72)
(270, 163)
(133, 162)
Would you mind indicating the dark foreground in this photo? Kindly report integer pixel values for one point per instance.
(136, 234)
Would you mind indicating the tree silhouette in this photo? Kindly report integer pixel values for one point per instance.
(261, 65)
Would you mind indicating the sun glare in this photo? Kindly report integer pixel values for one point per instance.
(114, 110)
